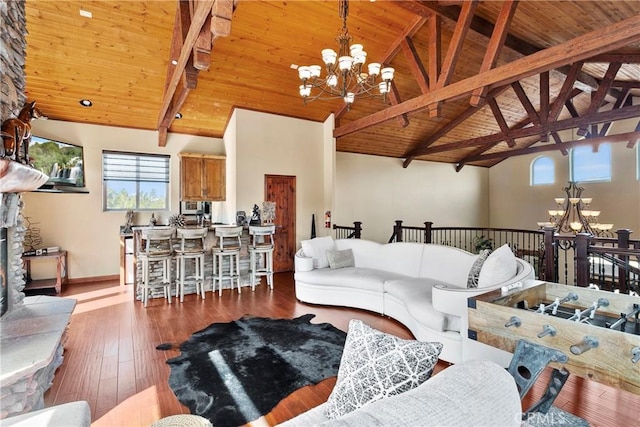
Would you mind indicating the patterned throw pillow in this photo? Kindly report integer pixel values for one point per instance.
(375, 365)
(474, 273)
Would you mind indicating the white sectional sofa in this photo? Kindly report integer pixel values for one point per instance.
(423, 286)
(475, 393)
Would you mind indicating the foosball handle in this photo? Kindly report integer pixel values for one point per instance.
(547, 330)
(514, 321)
(588, 342)
(635, 353)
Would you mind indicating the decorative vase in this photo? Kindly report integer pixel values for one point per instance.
(153, 221)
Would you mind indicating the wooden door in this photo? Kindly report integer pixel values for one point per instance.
(282, 190)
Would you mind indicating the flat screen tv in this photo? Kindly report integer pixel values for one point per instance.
(61, 161)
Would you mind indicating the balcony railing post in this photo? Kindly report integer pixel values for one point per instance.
(549, 255)
(623, 243)
(397, 230)
(427, 231)
(581, 259)
(358, 229)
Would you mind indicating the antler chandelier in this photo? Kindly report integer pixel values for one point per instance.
(345, 78)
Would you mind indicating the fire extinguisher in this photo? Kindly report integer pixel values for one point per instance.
(327, 219)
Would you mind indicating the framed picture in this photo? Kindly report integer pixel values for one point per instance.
(191, 208)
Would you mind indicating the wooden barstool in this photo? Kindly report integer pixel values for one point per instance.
(191, 247)
(156, 246)
(261, 253)
(228, 249)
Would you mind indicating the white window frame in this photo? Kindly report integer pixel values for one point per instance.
(532, 173)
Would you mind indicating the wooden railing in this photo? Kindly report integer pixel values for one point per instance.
(608, 263)
(346, 232)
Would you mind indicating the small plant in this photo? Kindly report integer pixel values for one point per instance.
(481, 243)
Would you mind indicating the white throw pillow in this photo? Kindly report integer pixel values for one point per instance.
(317, 249)
(375, 365)
(500, 266)
(340, 259)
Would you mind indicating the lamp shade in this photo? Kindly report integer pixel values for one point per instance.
(315, 70)
(345, 62)
(332, 80)
(305, 91)
(304, 72)
(329, 56)
(349, 98)
(387, 73)
(374, 68)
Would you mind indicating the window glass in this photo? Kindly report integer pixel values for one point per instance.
(135, 181)
(589, 166)
(543, 171)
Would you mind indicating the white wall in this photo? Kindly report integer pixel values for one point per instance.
(516, 204)
(76, 222)
(378, 191)
(277, 145)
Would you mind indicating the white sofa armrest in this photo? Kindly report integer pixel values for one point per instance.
(453, 300)
(302, 262)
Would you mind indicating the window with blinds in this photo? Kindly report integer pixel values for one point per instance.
(134, 181)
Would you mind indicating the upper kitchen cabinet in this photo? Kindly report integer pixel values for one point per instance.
(202, 177)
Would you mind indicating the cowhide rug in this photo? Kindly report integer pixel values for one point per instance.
(233, 373)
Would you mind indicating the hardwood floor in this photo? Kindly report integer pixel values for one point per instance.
(110, 358)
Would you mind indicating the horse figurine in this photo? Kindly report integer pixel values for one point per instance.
(16, 134)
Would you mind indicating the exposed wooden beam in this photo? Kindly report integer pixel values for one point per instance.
(600, 117)
(415, 65)
(585, 82)
(623, 137)
(520, 125)
(455, 47)
(526, 103)
(598, 96)
(209, 19)
(582, 47)
(496, 42)
(434, 46)
(544, 102)
(502, 123)
(622, 97)
(410, 154)
(625, 58)
(565, 91)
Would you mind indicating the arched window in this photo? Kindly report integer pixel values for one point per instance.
(589, 166)
(543, 171)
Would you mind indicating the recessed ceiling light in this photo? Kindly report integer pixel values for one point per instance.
(174, 62)
(86, 13)
(86, 102)
(293, 66)
(178, 115)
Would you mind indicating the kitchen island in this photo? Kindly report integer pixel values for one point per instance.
(190, 286)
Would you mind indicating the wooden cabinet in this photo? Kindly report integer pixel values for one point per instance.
(202, 177)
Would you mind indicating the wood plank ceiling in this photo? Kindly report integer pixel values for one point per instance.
(475, 82)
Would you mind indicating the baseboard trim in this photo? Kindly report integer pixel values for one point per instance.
(94, 279)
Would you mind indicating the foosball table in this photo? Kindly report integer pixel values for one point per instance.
(586, 332)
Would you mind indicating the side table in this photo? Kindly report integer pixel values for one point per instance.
(61, 272)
